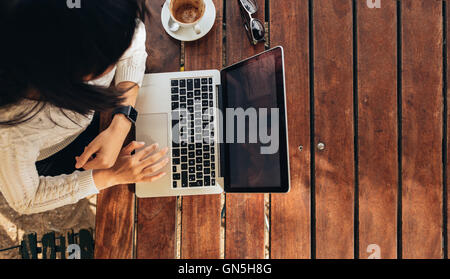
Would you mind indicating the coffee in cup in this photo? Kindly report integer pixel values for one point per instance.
(187, 13)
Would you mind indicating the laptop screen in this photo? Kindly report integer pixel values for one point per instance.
(255, 125)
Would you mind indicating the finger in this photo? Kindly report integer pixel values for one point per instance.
(155, 157)
(88, 152)
(153, 178)
(156, 167)
(97, 163)
(127, 150)
(146, 151)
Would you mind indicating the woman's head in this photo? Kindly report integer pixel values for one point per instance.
(53, 50)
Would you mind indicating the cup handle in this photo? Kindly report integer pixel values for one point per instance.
(197, 28)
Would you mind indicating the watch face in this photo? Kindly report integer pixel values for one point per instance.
(133, 114)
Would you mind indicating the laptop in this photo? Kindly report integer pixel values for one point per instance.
(226, 130)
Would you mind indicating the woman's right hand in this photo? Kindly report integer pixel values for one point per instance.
(144, 166)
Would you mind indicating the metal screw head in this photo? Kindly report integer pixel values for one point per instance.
(321, 146)
(300, 148)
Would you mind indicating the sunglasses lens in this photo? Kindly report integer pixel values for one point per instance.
(250, 6)
(257, 30)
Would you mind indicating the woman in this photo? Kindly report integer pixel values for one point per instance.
(56, 68)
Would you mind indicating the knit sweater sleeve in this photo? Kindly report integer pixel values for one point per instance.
(27, 193)
(131, 66)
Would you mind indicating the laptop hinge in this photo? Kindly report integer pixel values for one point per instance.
(221, 134)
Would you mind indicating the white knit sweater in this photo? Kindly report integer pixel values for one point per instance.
(22, 145)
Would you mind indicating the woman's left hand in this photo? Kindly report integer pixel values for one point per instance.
(106, 146)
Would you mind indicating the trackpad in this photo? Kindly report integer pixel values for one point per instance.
(152, 128)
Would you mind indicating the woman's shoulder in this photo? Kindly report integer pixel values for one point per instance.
(45, 121)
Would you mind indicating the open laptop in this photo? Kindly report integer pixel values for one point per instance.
(226, 130)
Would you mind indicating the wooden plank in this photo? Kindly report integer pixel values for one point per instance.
(422, 129)
(200, 237)
(448, 130)
(244, 233)
(333, 98)
(377, 128)
(114, 221)
(156, 217)
(290, 213)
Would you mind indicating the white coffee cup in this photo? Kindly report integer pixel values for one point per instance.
(186, 14)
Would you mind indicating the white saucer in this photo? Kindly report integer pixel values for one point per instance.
(188, 34)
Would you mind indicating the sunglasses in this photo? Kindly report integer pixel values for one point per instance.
(254, 27)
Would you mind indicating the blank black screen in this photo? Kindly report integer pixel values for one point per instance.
(254, 84)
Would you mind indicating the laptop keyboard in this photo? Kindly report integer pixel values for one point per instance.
(193, 149)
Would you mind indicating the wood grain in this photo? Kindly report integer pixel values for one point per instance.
(156, 218)
(377, 128)
(290, 213)
(333, 98)
(448, 131)
(114, 221)
(201, 214)
(422, 129)
(244, 233)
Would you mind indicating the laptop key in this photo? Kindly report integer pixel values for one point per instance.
(174, 82)
(184, 179)
(193, 184)
(207, 180)
(184, 166)
(197, 83)
(182, 83)
(174, 90)
(191, 177)
(191, 169)
(176, 161)
(176, 176)
(210, 80)
(190, 84)
(175, 184)
(191, 162)
(176, 153)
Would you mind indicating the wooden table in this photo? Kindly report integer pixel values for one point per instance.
(368, 83)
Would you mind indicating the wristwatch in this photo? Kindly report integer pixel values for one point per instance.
(128, 111)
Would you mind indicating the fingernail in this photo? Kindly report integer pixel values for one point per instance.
(141, 143)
